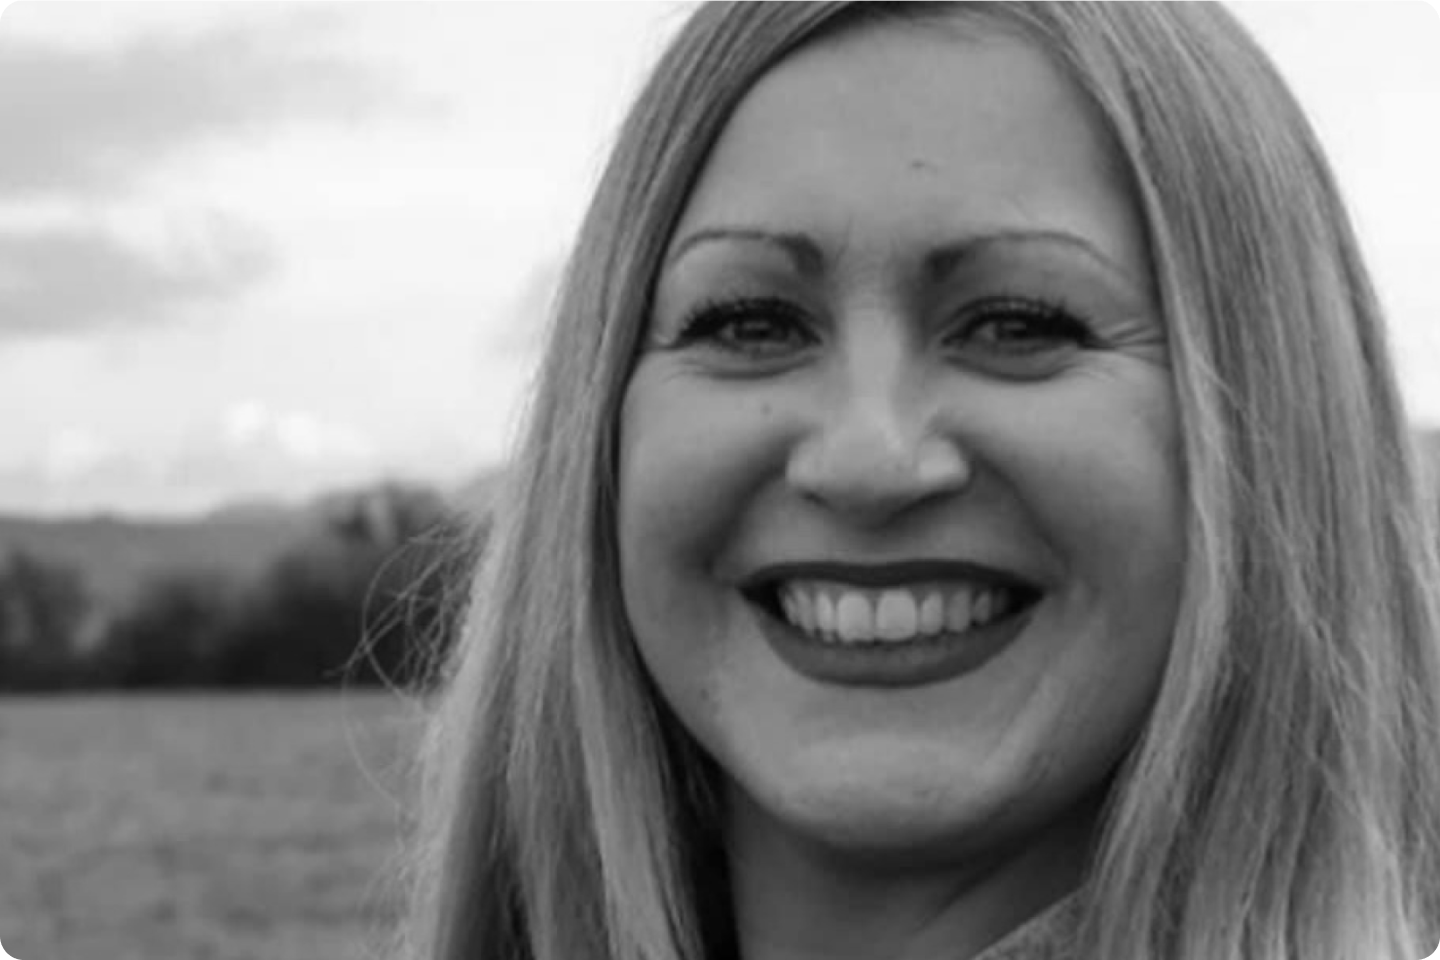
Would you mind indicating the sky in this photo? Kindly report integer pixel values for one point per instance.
(261, 251)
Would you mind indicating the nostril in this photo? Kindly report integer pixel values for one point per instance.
(878, 480)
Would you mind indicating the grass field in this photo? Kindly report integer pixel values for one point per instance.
(209, 827)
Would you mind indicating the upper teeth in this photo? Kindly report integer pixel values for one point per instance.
(833, 611)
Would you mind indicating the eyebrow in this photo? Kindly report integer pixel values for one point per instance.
(804, 252)
(949, 257)
(809, 257)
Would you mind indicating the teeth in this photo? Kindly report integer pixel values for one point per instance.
(896, 617)
(932, 613)
(798, 606)
(825, 614)
(805, 605)
(980, 610)
(957, 612)
(854, 619)
(843, 614)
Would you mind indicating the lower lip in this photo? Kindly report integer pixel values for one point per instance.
(903, 664)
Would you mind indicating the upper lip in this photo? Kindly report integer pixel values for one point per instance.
(885, 574)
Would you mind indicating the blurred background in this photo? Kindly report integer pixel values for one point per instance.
(273, 279)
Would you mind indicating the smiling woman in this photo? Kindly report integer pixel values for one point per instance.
(929, 375)
(966, 513)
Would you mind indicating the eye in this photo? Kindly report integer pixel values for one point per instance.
(1022, 334)
(760, 327)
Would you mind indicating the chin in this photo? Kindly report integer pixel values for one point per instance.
(884, 810)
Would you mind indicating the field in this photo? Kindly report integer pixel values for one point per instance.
(202, 827)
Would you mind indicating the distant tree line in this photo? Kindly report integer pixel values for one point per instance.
(368, 599)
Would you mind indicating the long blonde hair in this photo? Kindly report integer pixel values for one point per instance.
(1284, 799)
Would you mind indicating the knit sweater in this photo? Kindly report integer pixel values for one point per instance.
(1049, 935)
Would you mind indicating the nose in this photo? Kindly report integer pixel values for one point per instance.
(878, 454)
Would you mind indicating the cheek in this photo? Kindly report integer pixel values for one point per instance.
(1109, 480)
(1103, 481)
(690, 464)
(692, 459)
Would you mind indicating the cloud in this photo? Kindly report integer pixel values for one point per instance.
(93, 120)
(254, 431)
(251, 451)
(69, 280)
(95, 123)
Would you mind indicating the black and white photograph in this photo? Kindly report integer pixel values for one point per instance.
(720, 480)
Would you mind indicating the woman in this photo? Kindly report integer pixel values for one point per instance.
(966, 512)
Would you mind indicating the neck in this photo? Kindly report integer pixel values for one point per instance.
(798, 900)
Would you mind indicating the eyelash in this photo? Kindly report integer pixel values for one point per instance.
(710, 319)
(1053, 319)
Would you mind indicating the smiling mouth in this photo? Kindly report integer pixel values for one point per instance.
(845, 605)
(836, 613)
(894, 626)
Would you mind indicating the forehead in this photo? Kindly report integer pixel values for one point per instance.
(903, 134)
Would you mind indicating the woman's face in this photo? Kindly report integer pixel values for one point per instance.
(900, 495)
